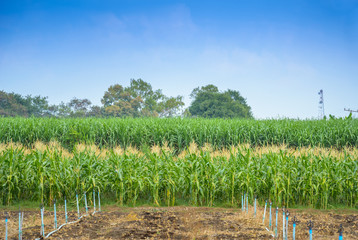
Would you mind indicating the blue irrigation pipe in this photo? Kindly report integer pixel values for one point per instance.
(86, 203)
(6, 219)
(19, 224)
(55, 216)
(294, 228)
(270, 222)
(20, 231)
(263, 218)
(42, 220)
(247, 203)
(66, 210)
(244, 199)
(287, 214)
(22, 221)
(310, 226)
(49, 234)
(276, 222)
(99, 202)
(255, 207)
(340, 231)
(78, 208)
(94, 201)
(283, 222)
(242, 202)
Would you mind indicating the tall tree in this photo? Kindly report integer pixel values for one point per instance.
(150, 98)
(37, 106)
(139, 99)
(61, 110)
(209, 102)
(210, 88)
(119, 102)
(171, 106)
(79, 107)
(13, 104)
(96, 111)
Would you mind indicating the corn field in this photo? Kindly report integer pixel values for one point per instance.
(179, 133)
(203, 176)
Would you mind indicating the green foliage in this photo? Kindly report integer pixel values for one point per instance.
(136, 100)
(210, 88)
(13, 104)
(139, 99)
(79, 107)
(198, 179)
(210, 103)
(179, 133)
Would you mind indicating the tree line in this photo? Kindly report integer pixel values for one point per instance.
(138, 99)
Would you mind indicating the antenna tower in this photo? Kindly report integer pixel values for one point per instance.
(320, 105)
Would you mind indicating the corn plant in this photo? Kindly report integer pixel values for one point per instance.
(203, 178)
(179, 133)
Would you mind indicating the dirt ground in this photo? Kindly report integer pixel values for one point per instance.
(182, 223)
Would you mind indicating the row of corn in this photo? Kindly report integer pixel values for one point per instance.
(202, 178)
(179, 133)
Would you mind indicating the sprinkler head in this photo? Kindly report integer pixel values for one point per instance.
(310, 224)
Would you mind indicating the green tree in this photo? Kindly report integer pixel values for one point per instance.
(9, 105)
(37, 106)
(118, 102)
(210, 88)
(79, 107)
(96, 111)
(139, 99)
(209, 102)
(13, 104)
(171, 106)
(61, 110)
(150, 98)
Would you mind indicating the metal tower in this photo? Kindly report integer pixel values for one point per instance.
(320, 105)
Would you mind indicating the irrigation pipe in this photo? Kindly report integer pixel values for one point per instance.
(264, 218)
(49, 234)
(269, 232)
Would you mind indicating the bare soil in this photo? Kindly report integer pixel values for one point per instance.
(182, 223)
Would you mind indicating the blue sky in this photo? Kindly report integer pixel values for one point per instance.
(278, 54)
